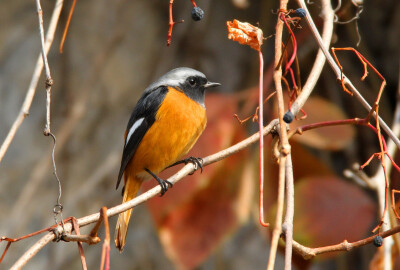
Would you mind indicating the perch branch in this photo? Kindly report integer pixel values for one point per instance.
(187, 169)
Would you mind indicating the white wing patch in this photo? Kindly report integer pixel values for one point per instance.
(133, 128)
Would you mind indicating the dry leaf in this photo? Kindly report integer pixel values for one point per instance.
(245, 34)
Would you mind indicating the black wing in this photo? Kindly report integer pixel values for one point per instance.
(146, 108)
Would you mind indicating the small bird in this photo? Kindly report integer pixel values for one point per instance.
(165, 124)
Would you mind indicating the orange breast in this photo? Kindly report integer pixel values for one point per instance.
(179, 123)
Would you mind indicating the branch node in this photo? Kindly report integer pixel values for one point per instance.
(49, 82)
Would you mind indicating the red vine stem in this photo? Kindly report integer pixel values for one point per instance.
(71, 11)
(289, 64)
(261, 140)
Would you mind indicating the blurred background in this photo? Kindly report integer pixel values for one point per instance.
(113, 51)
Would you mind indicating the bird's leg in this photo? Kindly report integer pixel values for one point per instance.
(197, 162)
(164, 184)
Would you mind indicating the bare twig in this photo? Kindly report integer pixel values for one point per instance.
(309, 253)
(49, 80)
(105, 253)
(58, 208)
(187, 169)
(261, 140)
(24, 112)
(80, 248)
(285, 147)
(287, 226)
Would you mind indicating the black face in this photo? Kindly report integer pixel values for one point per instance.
(195, 82)
(194, 88)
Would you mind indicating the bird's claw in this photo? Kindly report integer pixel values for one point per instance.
(165, 184)
(197, 162)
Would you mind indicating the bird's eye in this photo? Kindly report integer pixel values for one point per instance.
(192, 81)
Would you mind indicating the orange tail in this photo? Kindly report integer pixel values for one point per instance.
(132, 186)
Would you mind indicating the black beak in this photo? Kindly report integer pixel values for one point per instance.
(211, 84)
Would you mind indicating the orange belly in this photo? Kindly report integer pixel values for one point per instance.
(179, 123)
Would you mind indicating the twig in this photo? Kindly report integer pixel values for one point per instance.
(88, 239)
(105, 253)
(80, 248)
(71, 11)
(338, 74)
(308, 253)
(24, 112)
(261, 140)
(187, 169)
(171, 22)
(57, 210)
(285, 147)
(287, 226)
(49, 80)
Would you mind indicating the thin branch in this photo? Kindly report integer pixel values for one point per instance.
(285, 147)
(105, 253)
(287, 226)
(80, 248)
(308, 253)
(187, 169)
(24, 112)
(49, 80)
(261, 140)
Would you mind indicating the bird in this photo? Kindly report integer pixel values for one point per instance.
(166, 122)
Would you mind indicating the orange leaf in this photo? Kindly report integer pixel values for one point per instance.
(245, 34)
